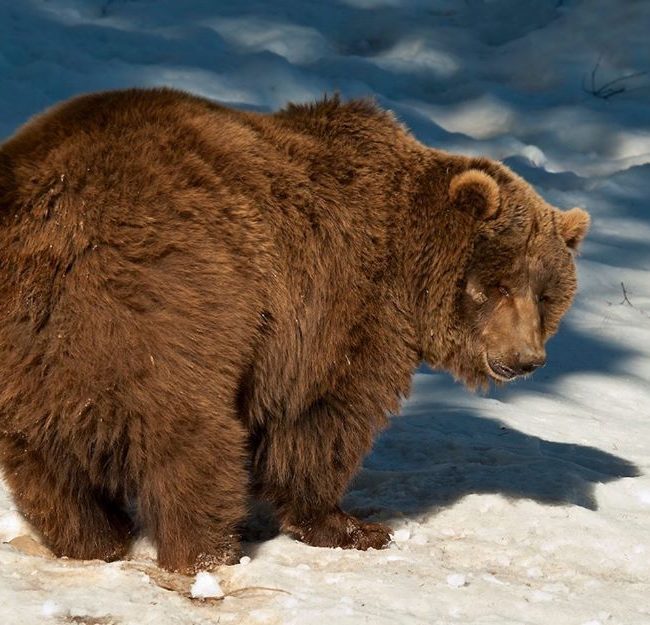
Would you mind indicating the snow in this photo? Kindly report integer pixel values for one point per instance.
(537, 495)
(458, 580)
(206, 586)
(401, 535)
(51, 608)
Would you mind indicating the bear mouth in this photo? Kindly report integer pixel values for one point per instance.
(499, 371)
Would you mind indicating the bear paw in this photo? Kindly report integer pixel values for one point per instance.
(185, 563)
(339, 529)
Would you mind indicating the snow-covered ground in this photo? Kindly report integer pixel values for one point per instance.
(529, 505)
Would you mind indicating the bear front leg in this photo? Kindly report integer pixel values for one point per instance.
(74, 518)
(193, 497)
(304, 466)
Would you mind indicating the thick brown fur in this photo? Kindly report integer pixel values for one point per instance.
(198, 303)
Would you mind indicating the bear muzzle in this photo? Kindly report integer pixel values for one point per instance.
(517, 364)
(513, 338)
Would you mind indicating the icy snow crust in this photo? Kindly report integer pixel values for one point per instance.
(530, 505)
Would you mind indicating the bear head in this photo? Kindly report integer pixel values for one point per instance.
(517, 277)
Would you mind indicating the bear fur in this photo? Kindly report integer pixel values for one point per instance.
(199, 305)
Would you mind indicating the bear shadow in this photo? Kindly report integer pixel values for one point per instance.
(428, 461)
(441, 448)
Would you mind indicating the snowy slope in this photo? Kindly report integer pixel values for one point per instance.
(529, 505)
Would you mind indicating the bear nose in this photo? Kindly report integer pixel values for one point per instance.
(530, 359)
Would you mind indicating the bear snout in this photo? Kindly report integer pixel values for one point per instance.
(528, 360)
(517, 364)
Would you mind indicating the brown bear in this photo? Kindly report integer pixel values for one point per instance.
(199, 305)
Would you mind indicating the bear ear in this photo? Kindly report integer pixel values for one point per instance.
(574, 225)
(476, 193)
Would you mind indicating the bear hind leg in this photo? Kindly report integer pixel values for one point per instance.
(74, 519)
(193, 497)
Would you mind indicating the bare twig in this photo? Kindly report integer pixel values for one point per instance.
(625, 299)
(611, 87)
(245, 589)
